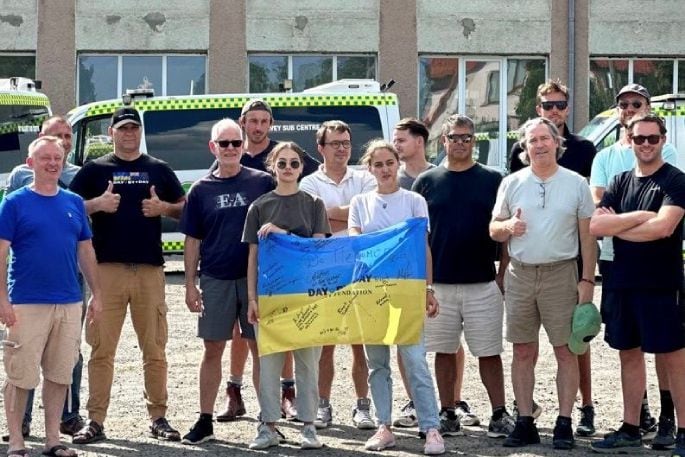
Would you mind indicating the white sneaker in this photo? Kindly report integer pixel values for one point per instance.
(309, 438)
(361, 416)
(407, 416)
(266, 437)
(466, 417)
(435, 445)
(324, 417)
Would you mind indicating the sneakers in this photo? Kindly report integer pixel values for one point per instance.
(537, 410)
(361, 415)
(266, 438)
(466, 417)
(525, 433)
(617, 442)
(407, 416)
(234, 404)
(502, 427)
(202, 431)
(288, 408)
(563, 434)
(25, 431)
(161, 430)
(449, 424)
(586, 424)
(309, 438)
(382, 439)
(679, 450)
(72, 426)
(434, 445)
(324, 416)
(665, 435)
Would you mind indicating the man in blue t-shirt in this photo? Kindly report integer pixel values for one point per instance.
(47, 230)
(213, 221)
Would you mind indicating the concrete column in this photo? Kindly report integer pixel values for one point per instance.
(56, 52)
(227, 54)
(558, 55)
(582, 71)
(398, 51)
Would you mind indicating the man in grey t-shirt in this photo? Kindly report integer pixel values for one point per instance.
(409, 138)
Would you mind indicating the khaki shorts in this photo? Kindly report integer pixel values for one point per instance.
(474, 309)
(47, 337)
(540, 294)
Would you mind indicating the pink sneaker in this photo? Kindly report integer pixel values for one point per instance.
(382, 439)
(434, 443)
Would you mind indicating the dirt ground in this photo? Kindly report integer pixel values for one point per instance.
(126, 424)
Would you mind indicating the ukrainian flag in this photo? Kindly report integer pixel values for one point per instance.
(368, 289)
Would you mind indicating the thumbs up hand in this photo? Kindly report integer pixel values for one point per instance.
(517, 226)
(153, 206)
(109, 201)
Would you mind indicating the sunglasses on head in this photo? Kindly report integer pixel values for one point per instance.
(560, 105)
(294, 164)
(640, 139)
(466, 138)
(224, 143)
(636, 104)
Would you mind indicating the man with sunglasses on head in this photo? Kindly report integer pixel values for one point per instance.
(460, 196)
(642, 209)
(632, 102)
(336, 183)
(212, 222)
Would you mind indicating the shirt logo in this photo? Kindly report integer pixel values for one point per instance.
(231, 200)
(130, 177)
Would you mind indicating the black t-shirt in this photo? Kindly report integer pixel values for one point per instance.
(258, 162)
(460, 208)
(578, 156)
(215, 213)
(649, 264)
(127, 236)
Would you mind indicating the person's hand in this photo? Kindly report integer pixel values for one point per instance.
(7, 315)
(267, 228)
(432, 306)
(94, 310)
(253, 312)
(516, 225)
(153, 206)
(586, 291)
(109, 201)
(193, 298)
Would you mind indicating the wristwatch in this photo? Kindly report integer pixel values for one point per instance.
(429, 289)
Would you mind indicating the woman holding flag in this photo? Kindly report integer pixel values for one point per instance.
(285, 210)
(388, 205)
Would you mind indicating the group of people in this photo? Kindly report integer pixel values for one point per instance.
(527, 240)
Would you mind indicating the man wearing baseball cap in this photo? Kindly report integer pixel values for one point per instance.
(632, 101)
(126, 194)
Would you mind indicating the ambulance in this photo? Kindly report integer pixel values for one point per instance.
(176, 129)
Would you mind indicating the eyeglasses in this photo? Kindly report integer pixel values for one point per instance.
(224, 143)
(347, 144)
(560, 105)
(294, 164)
(541, 193)
(466, 138)
(636, 104)
(640, 139)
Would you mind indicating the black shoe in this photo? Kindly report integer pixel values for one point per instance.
(25, 431)
(202, 431)
(586, 425)
(665, 435)
(618, 442)
(525, 433)
(648, 425)
(679, 450)
(449, 424)
(563, 434)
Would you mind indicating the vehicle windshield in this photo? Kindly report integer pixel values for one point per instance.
(19, 125)
(597, 127)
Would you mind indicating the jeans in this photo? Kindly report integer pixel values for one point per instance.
(418, 375)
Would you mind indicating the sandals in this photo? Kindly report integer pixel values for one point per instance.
(91, 433)
(54, 451)
(161, 430)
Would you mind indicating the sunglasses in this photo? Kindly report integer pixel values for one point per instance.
(455, 138)
(560, 105)
(651, 139)
(294, 164)
(224, 143)
(636, 104)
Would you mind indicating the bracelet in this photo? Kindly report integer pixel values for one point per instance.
(587, 280)
(430, 290)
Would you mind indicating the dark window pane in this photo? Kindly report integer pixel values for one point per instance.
(482, 105)
(607, 76)
(438, 95)
(310, 71)
(185, 75)
(267, 72)
(357, 67)
(655, 75)
(142, 72)
(24, 66)
(19, 126)
(97, 78)
(523, 78)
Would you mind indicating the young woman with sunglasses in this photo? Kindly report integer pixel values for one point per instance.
(285, 210)
(388, 205)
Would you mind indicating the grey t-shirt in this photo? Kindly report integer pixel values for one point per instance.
(551, 210)
(405, 181)
(301, 214)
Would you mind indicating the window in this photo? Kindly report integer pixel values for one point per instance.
(267, 72)
(17, 65)
(102, 77)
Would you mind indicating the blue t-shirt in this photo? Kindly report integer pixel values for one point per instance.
(215, 214)
(44, 233)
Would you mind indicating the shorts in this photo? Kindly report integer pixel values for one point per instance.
(650, 319)
(474, 309)
(44, 336)
(540, 294)
(606, 269)
(224, 301)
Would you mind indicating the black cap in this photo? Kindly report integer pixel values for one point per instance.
(634, 89)
(124, 116)
(256, 105)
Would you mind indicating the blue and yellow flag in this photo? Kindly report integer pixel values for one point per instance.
(367, 289)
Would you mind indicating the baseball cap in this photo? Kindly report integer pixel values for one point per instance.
(634, 89)
(256, 104)
(124, 116)
(586, 325)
